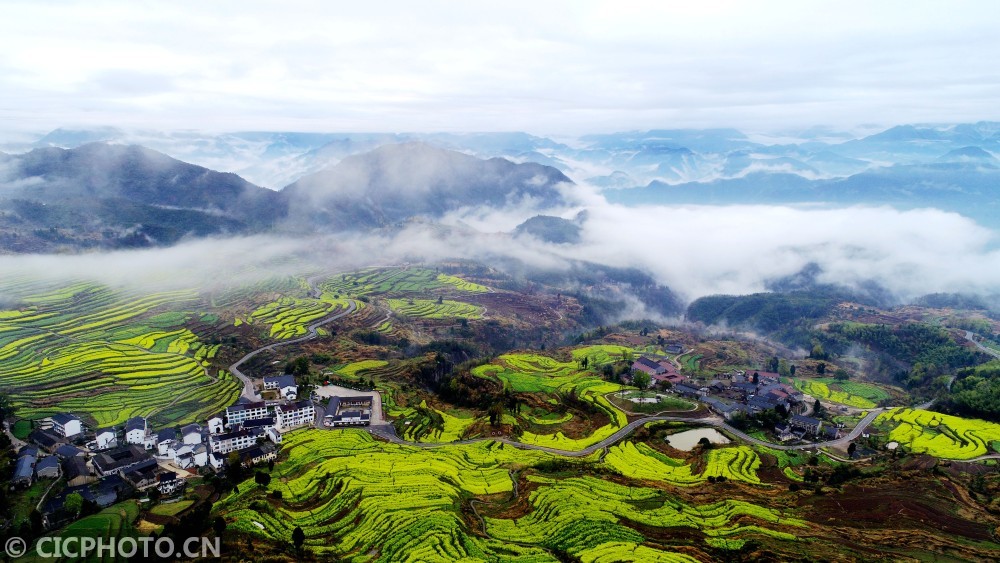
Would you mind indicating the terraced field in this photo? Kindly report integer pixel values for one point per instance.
(600, 354)
(110, 354)
(942, 435)
(116, 521)
(639, 461)
(289, 317)
(584, 518)
(396, 282)
(431, 309)
(361, 500)
(534, 373)
(852, 394)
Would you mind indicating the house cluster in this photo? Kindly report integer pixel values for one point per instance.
(349, 411)
(660, 371)
(743, 391)
(801, 427)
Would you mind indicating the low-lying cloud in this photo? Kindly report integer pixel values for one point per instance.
(695, 250)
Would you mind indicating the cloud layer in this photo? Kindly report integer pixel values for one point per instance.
(695, 250)
(545, 67)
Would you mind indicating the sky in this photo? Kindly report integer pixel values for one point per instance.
(544, 67)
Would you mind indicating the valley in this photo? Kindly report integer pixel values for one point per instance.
(509, 432)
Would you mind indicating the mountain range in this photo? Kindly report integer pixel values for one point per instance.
(103, 195)
(93, 189)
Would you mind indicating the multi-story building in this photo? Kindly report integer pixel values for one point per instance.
(241, 412)
(295, 414)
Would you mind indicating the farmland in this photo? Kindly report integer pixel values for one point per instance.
(289, 317)
(583, 516)
(359, 499)
(430, 309)
(116, 521)
(397, 281)
(352, 495)
(942, 435)
(639, 461)
(535, 373)
(110, 354)
(852, 394)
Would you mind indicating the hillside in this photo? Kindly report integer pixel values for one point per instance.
(113, 196)
(395, 182)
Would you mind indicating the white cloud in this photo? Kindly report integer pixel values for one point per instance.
(546, 67)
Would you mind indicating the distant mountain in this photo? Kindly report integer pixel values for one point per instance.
(969, 154)
(552, 229)
(111, 196)
(396, 182)
(969, 188)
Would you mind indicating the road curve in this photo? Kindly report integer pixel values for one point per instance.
(387, 432)
(985, 349)
(248, 391)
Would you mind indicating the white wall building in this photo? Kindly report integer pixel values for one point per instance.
(66, 425)
(241, 412)
(294, 415)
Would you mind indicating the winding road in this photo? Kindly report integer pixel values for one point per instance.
(387, 432)
(248, 389)
(982, 348)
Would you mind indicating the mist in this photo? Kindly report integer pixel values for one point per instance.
(694, 250)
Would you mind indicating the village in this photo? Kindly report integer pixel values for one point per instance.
(741, 394)
(107, 465)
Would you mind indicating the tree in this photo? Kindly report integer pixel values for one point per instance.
(818, 409)
(641, 380)
(791, 370)
(219, 525)
(585, 362)
(262, 479)
(772, 364)
(73, 503)
(817, 352)
(6, 409)
(821, 368)
(298, 537)
(496, 413)
(841, 375)
(851, 449)
(440, 300)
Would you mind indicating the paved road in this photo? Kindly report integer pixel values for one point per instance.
(389, 433)
(248, 389)
(990, 351)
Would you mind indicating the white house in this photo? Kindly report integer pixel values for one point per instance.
(231, 441)
(273, 435)
(164, 448)
(216, 424)
(106, 438)
(295, 414)
(200, 454)
(284, 385)
(167, 482)
(187, 455)
(240, 412)
(191, 434)
(216, 461)
(135, 431)
(66, 425)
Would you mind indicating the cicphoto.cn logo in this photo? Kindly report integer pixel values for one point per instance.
(87, 547)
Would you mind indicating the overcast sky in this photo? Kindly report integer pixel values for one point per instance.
(539, 66)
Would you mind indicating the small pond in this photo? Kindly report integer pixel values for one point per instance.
(687, 440)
